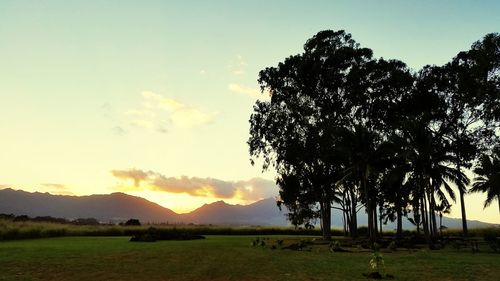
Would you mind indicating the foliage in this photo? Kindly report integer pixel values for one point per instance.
(335, 246)
(132, 222)
(488, 179)
(493, 241)
(343, 127)
(393, 246)
(377, 263)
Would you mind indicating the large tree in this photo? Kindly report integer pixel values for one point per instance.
(311, 95)
(471, 91)
(342, 126)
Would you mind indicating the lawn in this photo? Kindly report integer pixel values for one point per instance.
(223, 258)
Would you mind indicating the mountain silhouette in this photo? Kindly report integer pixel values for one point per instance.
(118, 207)
(113, 207)
(263, 212)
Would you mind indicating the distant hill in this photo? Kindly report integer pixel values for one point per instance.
(263, 212)
(110, 207)
(448, 222)
(118, 207)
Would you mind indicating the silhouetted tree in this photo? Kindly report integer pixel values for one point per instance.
(488, 179)
(472, 85)
(309, 99)
(343, 127)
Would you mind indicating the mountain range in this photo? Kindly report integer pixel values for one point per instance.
(118, 207)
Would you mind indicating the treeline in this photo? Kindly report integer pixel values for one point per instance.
(49, 219)
(346, 130)
(15, 230)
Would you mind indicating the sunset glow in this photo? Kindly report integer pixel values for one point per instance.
(154, 99)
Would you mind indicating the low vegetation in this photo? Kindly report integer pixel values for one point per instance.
(15, 229)
(27, 229)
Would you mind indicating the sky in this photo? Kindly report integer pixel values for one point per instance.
(153, 98)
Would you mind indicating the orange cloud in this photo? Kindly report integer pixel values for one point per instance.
(253, 189)
(134, 174)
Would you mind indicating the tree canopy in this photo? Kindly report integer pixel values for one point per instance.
(344, 128)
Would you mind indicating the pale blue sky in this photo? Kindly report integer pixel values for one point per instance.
(87, 87)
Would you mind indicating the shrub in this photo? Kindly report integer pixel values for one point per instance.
(490, 237)
(335, 246)
(363, 231)
(392, 246)
(153, 234)
(377, 262)
(133, 222)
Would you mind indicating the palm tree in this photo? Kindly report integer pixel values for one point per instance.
(366, 154)
(431, 171)
(488, 180)
(443, 208)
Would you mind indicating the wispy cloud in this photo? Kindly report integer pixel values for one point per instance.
(108, 113)
(253, 189)
(158, 112)
(54, 185)
(238, 66)
(57, 188)
(247, 91)
(118, 130)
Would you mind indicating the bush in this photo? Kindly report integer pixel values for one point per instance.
(152, 234)
(491, 238)
(392, 246)
(363, 231)
(133, 222)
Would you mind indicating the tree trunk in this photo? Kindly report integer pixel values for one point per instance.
(345, 213)
(464, 217)
(375, 222)
(441, 224)
(399, 228)
(498, 199)
(369, 210)
(434, 224)
(326, 219)
(462, 205)
(370, 221)
(354, 216)
(381, 233)
(345, 221)
(432, 214)
(416, 217)
(425, 225)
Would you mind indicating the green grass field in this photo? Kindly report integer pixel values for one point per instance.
(224, 258)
